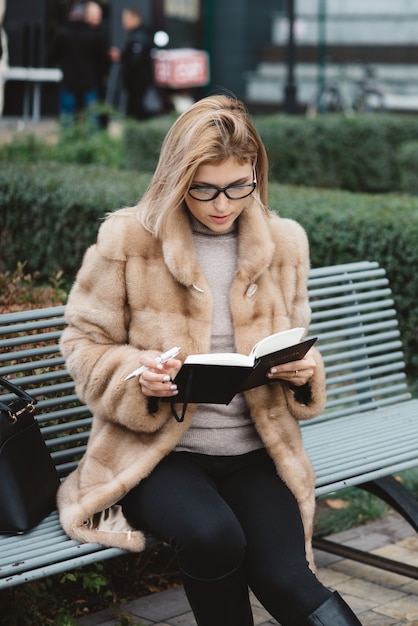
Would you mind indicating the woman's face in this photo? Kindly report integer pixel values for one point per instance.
(220, 213)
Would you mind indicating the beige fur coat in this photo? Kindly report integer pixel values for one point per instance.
(135, 292)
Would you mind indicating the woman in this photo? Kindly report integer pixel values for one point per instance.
(201, 263)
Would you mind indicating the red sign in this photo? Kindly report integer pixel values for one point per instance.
(181, 68)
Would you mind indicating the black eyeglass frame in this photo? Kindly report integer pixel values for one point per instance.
(224, 190)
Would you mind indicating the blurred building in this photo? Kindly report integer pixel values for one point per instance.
(247, 43)
(233, 33)
(341, 42)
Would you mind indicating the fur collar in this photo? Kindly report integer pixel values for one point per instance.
(254, 253)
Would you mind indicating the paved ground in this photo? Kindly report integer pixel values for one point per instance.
(47, 129)
(11, 127)
(379, 598)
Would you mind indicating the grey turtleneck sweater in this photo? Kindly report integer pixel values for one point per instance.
(218, 429)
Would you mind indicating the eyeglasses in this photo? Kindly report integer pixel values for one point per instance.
(232, 192)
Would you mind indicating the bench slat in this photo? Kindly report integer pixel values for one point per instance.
(382, 314)
(330, 271)
(362, 408)
(28, 327)
(342, 293)
(352, 461)
(67, 550)
(365, 384)
(338, 350)
(33, 314)
(30, 340)
(346, 294)
(51, 539)
(30, 571)
(354, 309)
(31, 365)
(56, 429)
(22, 354)
(393, 360)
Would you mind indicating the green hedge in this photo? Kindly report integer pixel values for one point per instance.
(359, 153)
(50, 214)
(407, 161)
(355, 153)
(371, 153)
(142, 142)
(363, 153)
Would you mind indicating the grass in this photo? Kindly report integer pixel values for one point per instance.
(352, 507)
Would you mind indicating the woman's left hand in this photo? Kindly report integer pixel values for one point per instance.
(297, 372)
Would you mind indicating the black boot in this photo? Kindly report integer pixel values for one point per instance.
(333, 612)
(220, 602)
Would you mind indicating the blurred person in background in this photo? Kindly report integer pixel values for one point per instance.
(94, 14)
(94, 17)
(81, 52)
(136, 62)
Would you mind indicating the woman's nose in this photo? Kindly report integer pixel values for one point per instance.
(221, 201)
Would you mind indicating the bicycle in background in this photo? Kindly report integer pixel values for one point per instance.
(369, 96)
(339, 95)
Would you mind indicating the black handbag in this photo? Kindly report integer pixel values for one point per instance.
(28, 478)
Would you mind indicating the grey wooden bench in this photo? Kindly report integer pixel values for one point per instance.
(368, 432)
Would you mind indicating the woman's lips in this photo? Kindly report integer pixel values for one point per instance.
(220, 219)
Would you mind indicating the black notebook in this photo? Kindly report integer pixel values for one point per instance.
(217, 378)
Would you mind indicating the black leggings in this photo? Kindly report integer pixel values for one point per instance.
(218, 512)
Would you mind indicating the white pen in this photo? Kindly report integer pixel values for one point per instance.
(166, 356)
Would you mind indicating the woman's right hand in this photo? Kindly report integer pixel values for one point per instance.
(156, 381)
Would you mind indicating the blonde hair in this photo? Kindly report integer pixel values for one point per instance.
(212, 130)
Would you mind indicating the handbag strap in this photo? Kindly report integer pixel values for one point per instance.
(14, 414)
(20, 393)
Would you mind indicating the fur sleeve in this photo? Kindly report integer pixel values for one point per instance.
(308, 401)
(96, 349)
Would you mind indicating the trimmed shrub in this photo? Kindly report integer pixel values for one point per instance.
(355, 153)
(359, 153)
(142, 142)
(50, 214)
(407, 161)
